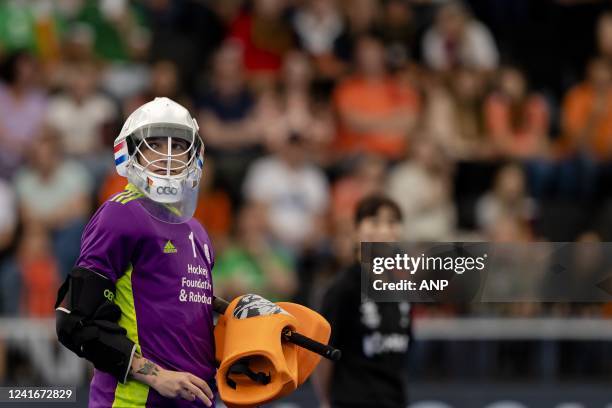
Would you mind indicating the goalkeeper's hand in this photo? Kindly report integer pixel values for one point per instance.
(171, 384)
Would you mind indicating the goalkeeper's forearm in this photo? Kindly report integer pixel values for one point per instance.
(170, 384)
(143, 370)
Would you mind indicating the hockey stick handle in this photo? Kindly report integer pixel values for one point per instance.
(324, 350)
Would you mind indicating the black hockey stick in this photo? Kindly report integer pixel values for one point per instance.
(327, 351)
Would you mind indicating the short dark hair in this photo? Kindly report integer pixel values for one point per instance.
(8, 68)
(371, 205)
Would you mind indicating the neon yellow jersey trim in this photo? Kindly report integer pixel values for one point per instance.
(131, 187)
(130, 193)
(133, 393)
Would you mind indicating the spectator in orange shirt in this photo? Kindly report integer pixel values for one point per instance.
(39, 272)
(376, 111)
(367, 178)
(517, 120)
(214, 208)
(587, 113)
(587, 130)
(112, 184)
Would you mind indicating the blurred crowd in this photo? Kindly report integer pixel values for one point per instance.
(485, 120)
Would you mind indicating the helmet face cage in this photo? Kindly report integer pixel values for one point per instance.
(168, 178)
(176, 165)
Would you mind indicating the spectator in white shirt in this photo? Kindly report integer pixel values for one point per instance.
(295, 192)
(54, 194)
(318, 24)
(458, 40)
(80, 115)
(421, 186)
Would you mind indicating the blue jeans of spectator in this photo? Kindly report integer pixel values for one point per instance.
(67, 245)
(578, 177)
(10, 287)
(540, 177)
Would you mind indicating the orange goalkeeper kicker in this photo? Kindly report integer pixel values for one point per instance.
(257, 346)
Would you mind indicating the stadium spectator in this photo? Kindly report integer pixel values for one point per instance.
(9, 275)
(517, 121)
(361, 19)
(214, 208)
(367, 178)
(185, 32)
(302, 110)
(398, 31)
(8, 215)
(116, 33)
(295, 192)
(587, 114)
(227, 121)
(253, 263)
(604, 36)
(77, 46)
(587, 130)
(22, 109)
(376, 111)
(10, 287)
(454, 116)
(18, 27)
(82, 116)
(457, 39)
(425, 177)
(318, 24)
(163, 81)
(266, 36)
(32, 26)
(507, 199)
(39, 272)
(53, 193)
(291, 109)
(117, 26)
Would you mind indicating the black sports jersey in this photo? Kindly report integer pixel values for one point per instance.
(374, 339)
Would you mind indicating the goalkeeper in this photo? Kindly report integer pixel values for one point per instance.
(138, 303)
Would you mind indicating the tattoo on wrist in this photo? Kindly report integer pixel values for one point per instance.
(148, 368)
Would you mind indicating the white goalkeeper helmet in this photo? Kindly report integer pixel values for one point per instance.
(145, 154)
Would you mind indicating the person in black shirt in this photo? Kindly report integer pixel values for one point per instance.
(373, 337)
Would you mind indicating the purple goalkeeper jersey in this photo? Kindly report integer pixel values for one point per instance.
(162, 274)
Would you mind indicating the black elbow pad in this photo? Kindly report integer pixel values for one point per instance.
(86, 322)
